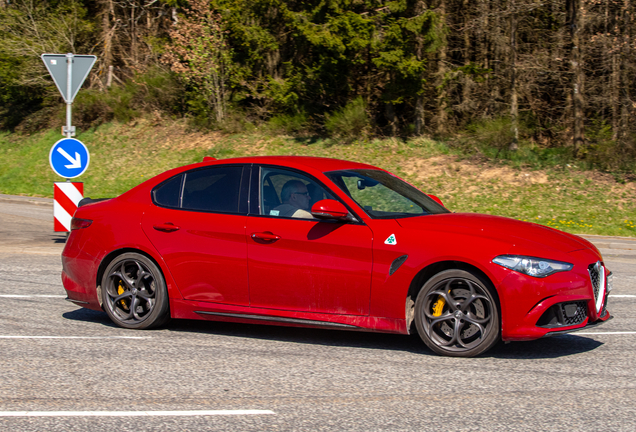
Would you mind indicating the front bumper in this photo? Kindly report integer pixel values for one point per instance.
(585, 327)
(561, 303)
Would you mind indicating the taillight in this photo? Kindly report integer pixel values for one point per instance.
(77, 223)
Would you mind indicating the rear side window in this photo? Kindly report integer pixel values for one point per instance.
(168, 193)
(213, 189)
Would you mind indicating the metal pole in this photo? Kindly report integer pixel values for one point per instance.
(69, 102)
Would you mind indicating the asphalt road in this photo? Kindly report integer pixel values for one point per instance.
(57, 357)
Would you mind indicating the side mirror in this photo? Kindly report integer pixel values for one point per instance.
(330, 209)
(437, 200)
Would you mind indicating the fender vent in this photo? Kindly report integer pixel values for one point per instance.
(397, 263)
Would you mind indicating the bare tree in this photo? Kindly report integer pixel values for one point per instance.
(199, 53)
(442, 70)
(574, 21)
(514, 103)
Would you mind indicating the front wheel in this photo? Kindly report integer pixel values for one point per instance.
(456, 314)
(134, 292)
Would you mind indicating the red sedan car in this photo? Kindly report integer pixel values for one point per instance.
(318, 242)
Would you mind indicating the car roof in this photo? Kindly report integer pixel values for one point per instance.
(300, 162)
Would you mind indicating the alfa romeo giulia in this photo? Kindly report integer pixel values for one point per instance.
(317, 242)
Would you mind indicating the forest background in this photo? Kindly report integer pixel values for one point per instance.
(521, 108)
(549, 76)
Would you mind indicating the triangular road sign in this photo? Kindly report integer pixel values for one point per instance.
(57, 66)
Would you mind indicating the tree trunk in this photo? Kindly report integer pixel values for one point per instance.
(467, 80)
(480, 34)
(497, 54)
(514, 105)
(419, 114)
(419, 100)
(133, 34)
(107, 32)
(575, 23)
(615, 83)
(625, 81)
(442, 96)
(391, 118)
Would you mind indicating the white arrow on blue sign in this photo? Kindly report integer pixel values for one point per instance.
(69, 158)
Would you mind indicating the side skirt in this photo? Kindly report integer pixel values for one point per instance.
(302, 322)
(185, 309)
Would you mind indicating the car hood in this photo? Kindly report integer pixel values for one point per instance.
(523, 237)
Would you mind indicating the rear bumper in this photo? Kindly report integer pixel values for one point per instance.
(78, 294)
(79, 269)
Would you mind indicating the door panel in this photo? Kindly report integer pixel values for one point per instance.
(206, 254)
(198, 227)
(313, 266)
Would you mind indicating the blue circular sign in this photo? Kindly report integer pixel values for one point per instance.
(69, 158)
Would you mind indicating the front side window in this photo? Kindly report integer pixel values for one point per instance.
(383, 195)
(286, 193)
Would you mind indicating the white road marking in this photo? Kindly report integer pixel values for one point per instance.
(129, 413)
(75, 337)
(31, 295)
(605, 333)
(622, 295)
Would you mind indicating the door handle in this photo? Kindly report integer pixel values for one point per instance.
(265, 236)
(166, 227)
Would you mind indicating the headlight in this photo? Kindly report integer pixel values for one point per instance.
(535, 267)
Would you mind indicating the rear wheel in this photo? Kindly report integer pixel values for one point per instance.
(134, 292)
(456, 314)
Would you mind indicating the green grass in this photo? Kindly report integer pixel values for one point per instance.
(122, 156)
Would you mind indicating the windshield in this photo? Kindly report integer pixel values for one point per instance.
(382, 195)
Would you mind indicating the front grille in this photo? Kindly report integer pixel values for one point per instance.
(604, 310)
(563, 315)
(608, 289)
(597, 277)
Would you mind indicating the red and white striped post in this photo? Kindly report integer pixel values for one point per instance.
(66, 197)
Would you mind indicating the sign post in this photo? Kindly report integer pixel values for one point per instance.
(69, 157)
(68, 99)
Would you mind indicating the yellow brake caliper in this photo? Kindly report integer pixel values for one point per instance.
(438, 306)
(120, 291)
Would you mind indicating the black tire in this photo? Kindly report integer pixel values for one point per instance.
(457, 314)
(134, 292)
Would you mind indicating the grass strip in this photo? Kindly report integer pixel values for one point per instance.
(124, 155)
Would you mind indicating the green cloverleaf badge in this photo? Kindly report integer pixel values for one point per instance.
(391, 240)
